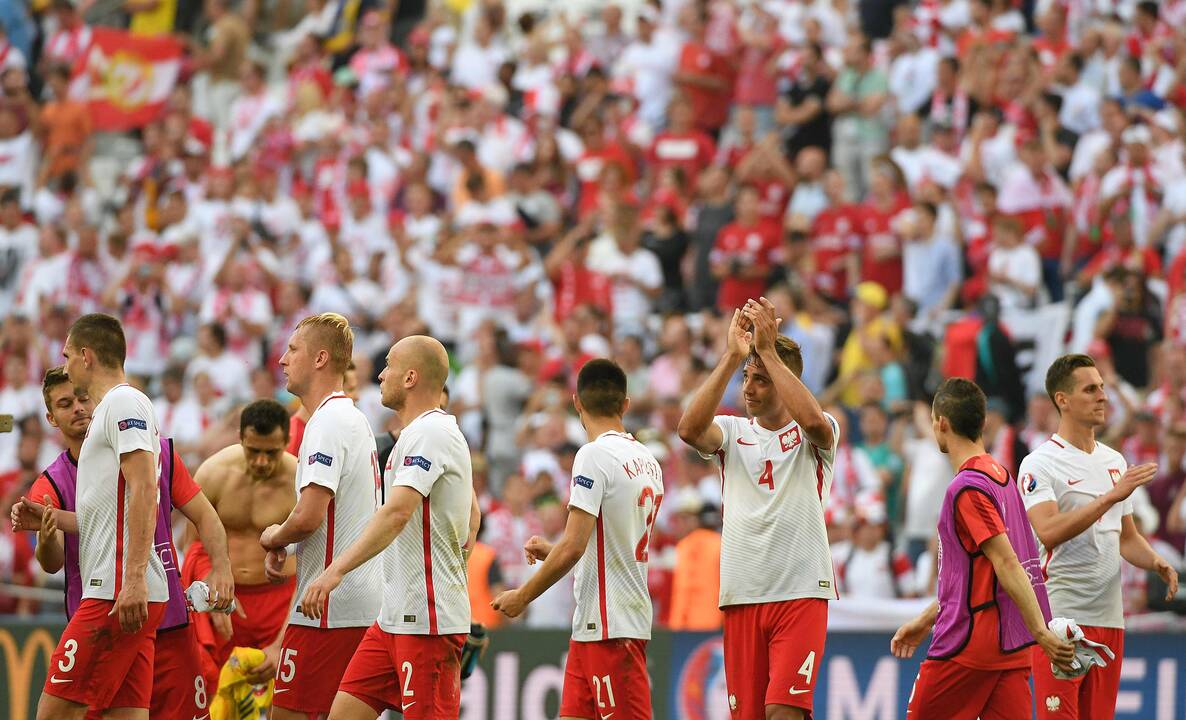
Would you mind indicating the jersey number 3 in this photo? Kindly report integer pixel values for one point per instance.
(642, 551)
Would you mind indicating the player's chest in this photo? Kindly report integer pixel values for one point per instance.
(1087, 479)
(247, 505)
(764, 462)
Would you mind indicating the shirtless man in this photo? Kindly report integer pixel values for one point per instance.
(251, 485)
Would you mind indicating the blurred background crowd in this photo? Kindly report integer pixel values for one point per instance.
(943, 187)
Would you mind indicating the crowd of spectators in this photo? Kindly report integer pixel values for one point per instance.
(903, 180)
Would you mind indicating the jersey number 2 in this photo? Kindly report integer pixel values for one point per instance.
(642, 551)
(767, 476)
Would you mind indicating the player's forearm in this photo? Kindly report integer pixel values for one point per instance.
(801, 404)
(703, 407)
(1137, 551)
(212, 535)
(561, 559)
(380, 532)
(929, 615)
(1017, 584)
(50, 553)
(1056, 529)
(67, 521)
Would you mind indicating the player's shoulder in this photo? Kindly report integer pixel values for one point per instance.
(125, 396)
(1050, 451)
(434, 424)
(1106, 454)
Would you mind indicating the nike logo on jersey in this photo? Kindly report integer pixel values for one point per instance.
(1074, 482)
(742, 442)
(204, 717)
(407, 705)
(607, 717)
(54, 679)
(796, 691)
(278, 691)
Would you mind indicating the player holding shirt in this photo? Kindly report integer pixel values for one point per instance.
(410, 659)
(991, 601)
(776, 472)
(179, 688)
(1076, 491)
(104, 658)
(617, 488)
(339, 489)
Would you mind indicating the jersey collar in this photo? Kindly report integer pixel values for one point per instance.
(332, 396)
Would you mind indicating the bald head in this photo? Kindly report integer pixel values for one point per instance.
(425, 355)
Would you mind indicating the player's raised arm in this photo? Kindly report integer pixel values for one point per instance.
(800, 403)
(1054, 527)
(387, 522)
(1017, 584)
(696, 427)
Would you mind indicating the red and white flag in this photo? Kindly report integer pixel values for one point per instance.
(125, 78)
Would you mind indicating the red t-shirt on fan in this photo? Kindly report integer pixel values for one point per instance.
(749, 246)
(877, 235)
(834, 235)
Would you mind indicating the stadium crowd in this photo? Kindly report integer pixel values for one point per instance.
(904, 181)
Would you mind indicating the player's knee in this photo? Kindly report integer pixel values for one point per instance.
(53, 708)
(784, 712)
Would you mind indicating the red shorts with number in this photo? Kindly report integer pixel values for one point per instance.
(773, 652)
(419, 675)
(1091, 696)
(946, 690)
(606, 677)
(266, 606)
(311, 664)
(98, 665)
(180, 688)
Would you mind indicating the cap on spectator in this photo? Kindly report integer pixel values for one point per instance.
(869, 507)
(1137, 135)
(872, 294)
(194, 147)
(495, 94)
(648, 14)
(688, 500)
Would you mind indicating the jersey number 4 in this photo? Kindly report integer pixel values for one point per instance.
(642, 551)
(767, 476)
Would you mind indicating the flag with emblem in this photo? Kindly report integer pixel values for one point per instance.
(125, 79)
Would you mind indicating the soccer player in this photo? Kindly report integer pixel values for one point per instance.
(1076, 491)
(338, 481)
(179, 687)
(252, 485)
(104, 658)
(776, 473)
(991, 599)
(617, 488)
(410, 659)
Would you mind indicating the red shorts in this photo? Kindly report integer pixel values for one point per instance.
(419, 675)
(310, 667)
(773, 652)
(267, 606)
(1091, 696)
(946, 690)
(98, 665)
(604, 677)
(180, 688)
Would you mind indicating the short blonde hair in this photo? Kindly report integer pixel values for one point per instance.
(332, 332)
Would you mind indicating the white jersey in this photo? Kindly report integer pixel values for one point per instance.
(426, 590)
(122, 422)
(775, 487)
(616, 479)
(338, 453)
(1083, 573)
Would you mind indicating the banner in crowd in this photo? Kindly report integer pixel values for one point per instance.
(522, 674)
(125, 78)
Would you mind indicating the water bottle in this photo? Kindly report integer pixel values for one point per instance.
(198, 595)
(475, 644)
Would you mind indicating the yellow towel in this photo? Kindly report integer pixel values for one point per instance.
(238, 699)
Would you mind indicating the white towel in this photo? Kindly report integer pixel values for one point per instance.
(1087, 653)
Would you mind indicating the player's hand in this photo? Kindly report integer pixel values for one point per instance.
(268, 538)
(26, 515)
(1135, 477)
(1060, 652)
(222, 624)
(266, 670)
(908, 638)
(1169, 575)
(760, 314)
(740, 338)
(222, 590)
(317, 594)
(509, 603)
(131, 606)
(274, 565)
(49, 522)
(537, 549)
